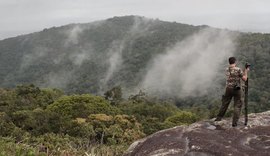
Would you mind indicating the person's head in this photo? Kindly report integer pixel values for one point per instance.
(232, 60)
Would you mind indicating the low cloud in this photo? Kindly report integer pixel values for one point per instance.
(82, 54)
(139, 28)
(115, 58)
(58, 79)
(31, 58)
(73, 35)
(192, 66)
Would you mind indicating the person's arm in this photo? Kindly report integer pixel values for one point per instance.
(245, 75)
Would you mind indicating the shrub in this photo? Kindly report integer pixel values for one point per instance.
(119, 129)
(81, 106)
(181, 118)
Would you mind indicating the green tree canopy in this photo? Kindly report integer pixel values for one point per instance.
(81, 106)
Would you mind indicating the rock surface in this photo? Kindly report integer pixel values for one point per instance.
(208, 138)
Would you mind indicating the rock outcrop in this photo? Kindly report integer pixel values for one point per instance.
(208, 138)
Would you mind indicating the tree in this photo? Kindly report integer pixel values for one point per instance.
(118, 129)
(81, 106)
(181, 118)
(114, 95)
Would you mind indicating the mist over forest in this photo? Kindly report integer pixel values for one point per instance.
(133, 52)
(110, 82)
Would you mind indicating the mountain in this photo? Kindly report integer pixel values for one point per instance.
(204, 138)
(87, 57)
(136, 53)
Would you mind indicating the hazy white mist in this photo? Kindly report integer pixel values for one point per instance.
(189, 68)
(73, 35)
(114, 59)
(31, 58)
(192, 66)
(58, 79)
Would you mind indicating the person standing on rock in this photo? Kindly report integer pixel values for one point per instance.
(233, 90)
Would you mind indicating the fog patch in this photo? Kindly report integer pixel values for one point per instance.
(115, 58)
(192, 66)
(140, 26)
(115, 52)
(58, 79)
(84, 53)
(32, 58)
(73, 35)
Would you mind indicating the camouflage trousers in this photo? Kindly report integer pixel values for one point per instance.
(226, 99)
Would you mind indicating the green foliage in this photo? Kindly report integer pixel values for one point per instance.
(8, 147)
(114, 95)
(38, 121)
(152, 125)
(149, 109)
(150, 114)
(181, 118)
(119, 129)
(26, 97)
(7, 102)
(154, 114)
(81, 106)
(47, 96)
(75, 124)
(81, 130)
(27, 90)
(6, 125)
(51, 144)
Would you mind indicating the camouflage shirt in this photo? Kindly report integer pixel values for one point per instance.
(234, 75)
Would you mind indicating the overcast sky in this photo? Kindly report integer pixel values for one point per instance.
(26, 16)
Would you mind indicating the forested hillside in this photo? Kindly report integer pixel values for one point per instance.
(121, 51)
(92, 57)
